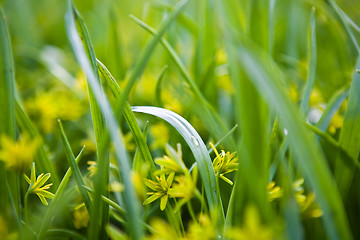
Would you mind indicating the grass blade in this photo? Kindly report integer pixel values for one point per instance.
(212, 119)
(100, 211)
(129, 116)
(312, 53)
(349, 136)
(7, 103)
(75, 169)
(132, 205)
(332, 107)
(199, 150)
(51, 210)
(308, 156)
(43, 162)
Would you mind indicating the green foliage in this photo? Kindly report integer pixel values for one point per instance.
(152, 89)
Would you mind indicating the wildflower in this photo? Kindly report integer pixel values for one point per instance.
(36, 185)
(163, 231)
(308, 207)
(81, 216)
(252, 228)
(293, 93)
(224, 163)
(203, 230)
(18, 155)
(45, 108)
(172, 162)
(160, 135)
(184, 186)
(161, 188)
(336, 122)
(273, 191)
(138, 185)
(316, 98)
(114, 186)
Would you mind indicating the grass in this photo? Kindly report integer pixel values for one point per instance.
(191, 119)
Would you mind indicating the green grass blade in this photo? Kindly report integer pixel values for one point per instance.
(43, 162)
(349, 136)
(344, 21)
(211, 119)
(146, 53)
(51, 210)
(332, 107)
(129, 116)
(199, 150)
(312, 53)
(75, 169)
(100, 210)
(308, 156)
(158, 87)
(7, 82)
(7, 103)
(132, 205)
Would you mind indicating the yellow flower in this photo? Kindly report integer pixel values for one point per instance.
(293, 93)
(46, 107)
(172, 162)
(224, 163)
(184, 187)
(203, 230)
(160, 134)
(252, 228)
(161, 188)
(308, 207)
(18, 155)
(163, 231)
(316, 98)
(36, 185)
(273, 191)
(81, 216)
(336, 122)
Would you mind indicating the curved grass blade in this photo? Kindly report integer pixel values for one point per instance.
(349, 136)
(132, 205)
(308, 155)
(212, 119)
(51, 210)
(75, 169)
(100, 212)
(199, 150)
(7, 105)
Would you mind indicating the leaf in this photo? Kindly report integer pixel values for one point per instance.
(349, 136)
(211, 118)
(310, 160)
(75, 169)
(312, 53)
(199, 150)
(332, 107)
(7, 103)
(54, 204)
(129, 116)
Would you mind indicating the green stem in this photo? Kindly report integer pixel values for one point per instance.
(26, 217)
(191, 211)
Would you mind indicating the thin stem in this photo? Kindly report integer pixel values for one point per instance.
(191, 210)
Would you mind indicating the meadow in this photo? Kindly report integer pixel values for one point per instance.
(179, 119)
